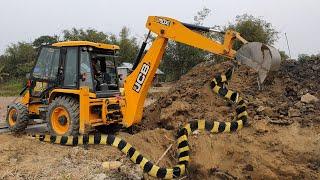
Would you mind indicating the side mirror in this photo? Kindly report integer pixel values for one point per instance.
(28, 75)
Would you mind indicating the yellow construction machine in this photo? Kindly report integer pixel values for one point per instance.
(74, 85)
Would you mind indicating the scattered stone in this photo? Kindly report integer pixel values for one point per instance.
(267, 118)
(299, 104)
(265, 110)
(260, 109)
(256, 117)
(255, 102)
(297, 119)
(284, 122)
(268, 111)
(196, 132)
(132, 172)
(317, 119)
(248, 167)
(100, 176)
(315, 67)
(261, 127)
(166, 103)
(310, 107)
(283, 111)
(294, 112)
(308, 98)
(264, 99)
(303, 91)
(111, 165)
(13, 161)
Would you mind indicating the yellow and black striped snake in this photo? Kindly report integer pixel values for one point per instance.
(218, 86)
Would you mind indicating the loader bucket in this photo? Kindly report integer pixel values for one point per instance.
(262, 58)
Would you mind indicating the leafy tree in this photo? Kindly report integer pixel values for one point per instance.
(85, 35)
(283, 55)
(18, 59)
(2, 66)
(180, 58)
(128, 45)
(45, 40)
(201, 16)
(306, 57)
(254, 29)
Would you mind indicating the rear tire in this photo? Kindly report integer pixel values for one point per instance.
(63, 116)
(17, 117)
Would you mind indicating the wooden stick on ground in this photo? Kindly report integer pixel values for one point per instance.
(169, 138)
(164, 154)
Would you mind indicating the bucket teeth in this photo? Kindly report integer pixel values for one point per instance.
(260, 57)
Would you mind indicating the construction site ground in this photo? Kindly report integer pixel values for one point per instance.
(282, 141)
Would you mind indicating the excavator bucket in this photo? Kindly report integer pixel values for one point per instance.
(262, 58)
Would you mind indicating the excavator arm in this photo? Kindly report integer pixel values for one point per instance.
(136, 85)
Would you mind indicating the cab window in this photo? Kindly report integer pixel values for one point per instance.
(85, 70)
(70, 69)
(47, 65)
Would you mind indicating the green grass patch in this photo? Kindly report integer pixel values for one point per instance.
(11, 87)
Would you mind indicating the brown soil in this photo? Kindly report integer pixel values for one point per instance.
(277, 144)
(24, 158)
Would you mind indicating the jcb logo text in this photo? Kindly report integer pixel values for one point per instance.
(141, 77)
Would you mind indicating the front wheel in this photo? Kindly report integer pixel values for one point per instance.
(63, 116)
(17, 117)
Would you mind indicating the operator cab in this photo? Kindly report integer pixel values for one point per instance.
(98, 71)
(75, 64)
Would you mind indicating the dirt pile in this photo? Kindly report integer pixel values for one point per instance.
(191, 97)
(283, 139)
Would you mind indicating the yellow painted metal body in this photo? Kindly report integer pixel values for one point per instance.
(136, 85)
(166, 28)
(32, 108)
(87, 43)
(132, 111)
(12, 120)
(26, 98)
(59, 128)
(87, 101)
(175, 30)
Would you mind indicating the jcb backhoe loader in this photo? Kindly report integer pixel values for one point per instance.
(74, 85)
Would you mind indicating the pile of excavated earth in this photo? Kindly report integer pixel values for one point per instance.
(291, 95)
(282, 141)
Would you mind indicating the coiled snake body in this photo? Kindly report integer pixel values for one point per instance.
(217, 85)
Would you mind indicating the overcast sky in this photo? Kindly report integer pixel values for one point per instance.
(24, 20)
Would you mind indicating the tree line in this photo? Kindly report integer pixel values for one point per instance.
(19, 58)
